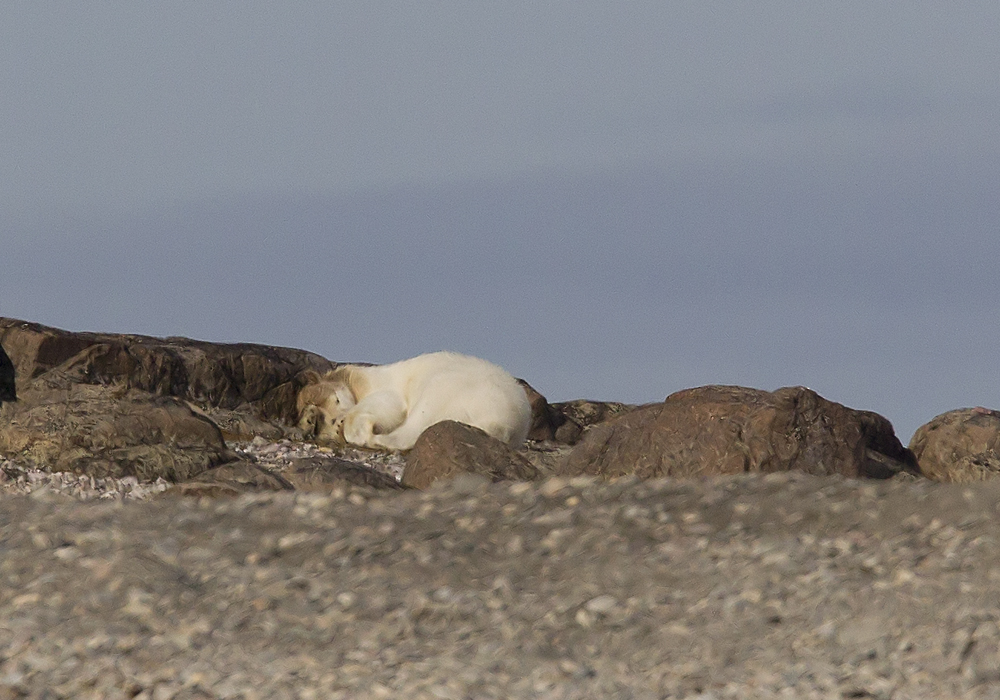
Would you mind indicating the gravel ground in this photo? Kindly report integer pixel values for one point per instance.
(748, 587)
(277, 456)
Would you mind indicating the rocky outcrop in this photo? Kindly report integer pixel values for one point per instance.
(60, 424)
(729, 430)
(247, 388)
(128, 405)
(448, 448)
(961, 445)
(7, 386)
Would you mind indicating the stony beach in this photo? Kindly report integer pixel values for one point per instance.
(785, 585)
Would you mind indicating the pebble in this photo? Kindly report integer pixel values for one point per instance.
(601, 604)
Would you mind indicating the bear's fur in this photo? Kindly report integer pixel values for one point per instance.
(389, 406)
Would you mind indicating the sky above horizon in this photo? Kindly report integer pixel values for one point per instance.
(614, 201)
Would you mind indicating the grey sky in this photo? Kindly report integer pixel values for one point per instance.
(614, 200)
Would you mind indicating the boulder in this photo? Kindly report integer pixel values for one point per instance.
(448, 448)
(577, 416)
(60, 424)
(242, 386)
(961, 445)
(564, 423)
(324, 473)
(7, 388)
(729, 430)
(233, 479)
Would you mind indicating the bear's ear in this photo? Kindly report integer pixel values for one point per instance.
(340, 374)
(310, 376)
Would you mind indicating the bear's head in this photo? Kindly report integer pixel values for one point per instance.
(322, 404)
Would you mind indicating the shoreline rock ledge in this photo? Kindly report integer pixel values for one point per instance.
(119, 405)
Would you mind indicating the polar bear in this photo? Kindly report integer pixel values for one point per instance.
(389, 406)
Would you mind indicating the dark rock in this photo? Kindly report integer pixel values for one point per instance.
(729, 430)
(579, 415)
(323, 473)
(545, 421)
(8, 391)
(448, 448)
(962, 445)
(60, 424)
(245, 383)
(233, 479)
(565, 422)
(119, 405)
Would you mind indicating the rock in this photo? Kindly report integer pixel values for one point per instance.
(125, 405)
(233, 479)
(579, 415)
(449, 448)
(60, 424)
(323, 473)
(729, 430)
(565, 422)
(240, 381)
(7, 387)
(544, 419)
(962, 445)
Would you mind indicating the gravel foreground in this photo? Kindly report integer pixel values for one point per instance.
(750, 587)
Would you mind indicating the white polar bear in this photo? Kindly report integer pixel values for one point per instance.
(389, 406)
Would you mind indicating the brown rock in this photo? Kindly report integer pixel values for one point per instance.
(323, 473)
(242, 381)
(314, 474)
(565, 422)
(448, 448)
(579, 415)
(729, 430)
(62, 425)
(962, 445)
(233, 479)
